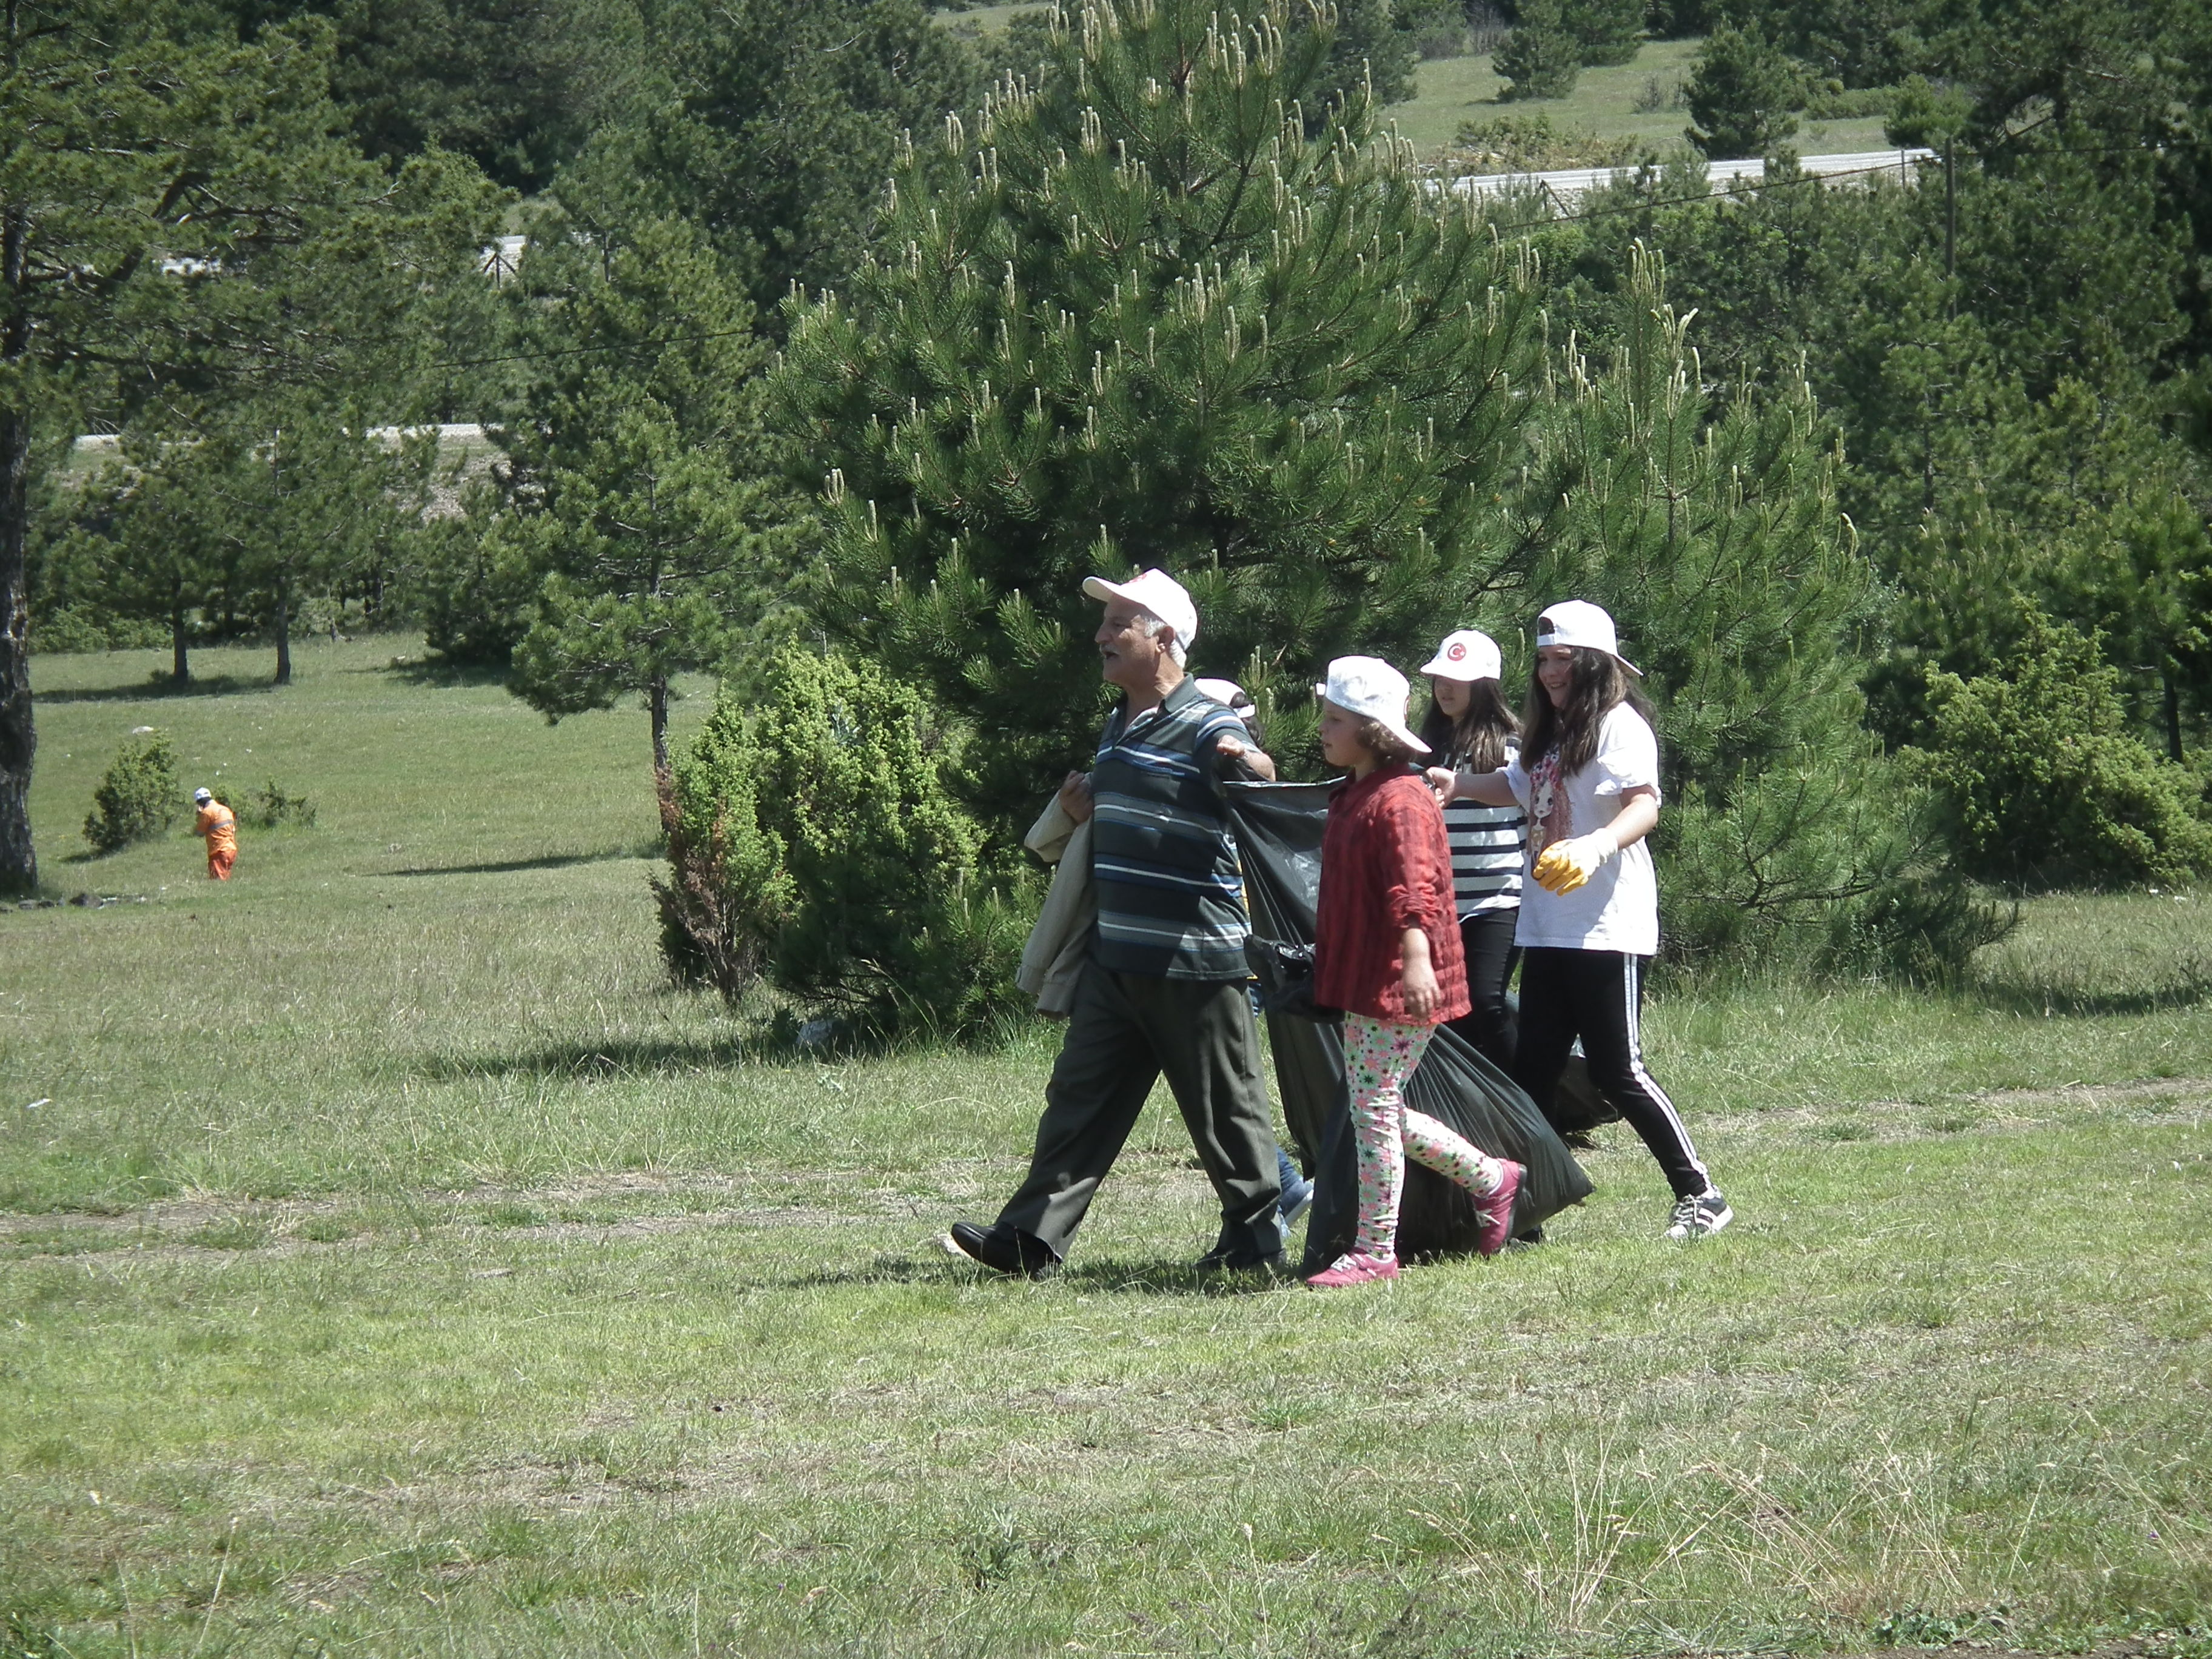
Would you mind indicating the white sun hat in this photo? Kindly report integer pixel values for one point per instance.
(1227, 693)
(1467, 655)
(1157, 592)
(1577, 621)
(1370, 687)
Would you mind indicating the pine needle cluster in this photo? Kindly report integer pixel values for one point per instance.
(1137, 316)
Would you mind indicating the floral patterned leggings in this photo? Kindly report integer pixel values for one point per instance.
(1378, 1059)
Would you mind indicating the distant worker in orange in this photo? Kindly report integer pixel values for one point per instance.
(219, 824)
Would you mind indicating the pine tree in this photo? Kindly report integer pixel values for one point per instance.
(179, 211)
(1542, 57)
(139, 546)
(1605, 31)
(770, 124)
(636, 504)
(1714, 538)
(1741, 93)
(1149, 321)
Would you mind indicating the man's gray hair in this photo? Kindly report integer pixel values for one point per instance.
(1151, 626)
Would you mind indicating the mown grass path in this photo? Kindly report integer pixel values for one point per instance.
(406, 1269)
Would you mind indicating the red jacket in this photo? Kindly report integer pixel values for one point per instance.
(1385, 866)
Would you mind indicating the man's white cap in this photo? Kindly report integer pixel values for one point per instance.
(1157, 592)
(1468, 654)
(1370, 687)
(1577, 621)
(1227, 693)
(202, 795)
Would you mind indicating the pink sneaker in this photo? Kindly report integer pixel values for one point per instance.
(1354, 1268)
(1497, 1210)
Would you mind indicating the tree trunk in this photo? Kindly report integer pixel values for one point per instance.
(19, 738)
(181, 662)
(656, 702)
(2171, 688)
(284, 633)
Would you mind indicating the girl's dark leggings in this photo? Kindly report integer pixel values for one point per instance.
(1598, 996)
(1491, 954)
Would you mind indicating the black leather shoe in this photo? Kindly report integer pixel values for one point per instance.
(1006, 1250)
(1228, 1259)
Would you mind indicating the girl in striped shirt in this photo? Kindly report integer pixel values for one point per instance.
(1470, 729)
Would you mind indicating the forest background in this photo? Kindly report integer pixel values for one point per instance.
(1900, 489)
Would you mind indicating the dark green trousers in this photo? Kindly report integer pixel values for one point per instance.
(1125, 1030)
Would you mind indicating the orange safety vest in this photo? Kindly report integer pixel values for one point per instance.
(216, 822)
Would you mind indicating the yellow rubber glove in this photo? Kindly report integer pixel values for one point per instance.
(1566, 864)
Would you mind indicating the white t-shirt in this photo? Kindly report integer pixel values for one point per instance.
(1617, 908)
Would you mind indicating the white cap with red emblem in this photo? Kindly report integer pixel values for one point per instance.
(1468, 654)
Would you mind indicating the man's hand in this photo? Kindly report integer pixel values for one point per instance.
(1261, 764)
(1442, 782)
(1075, 797)
(1417, 980)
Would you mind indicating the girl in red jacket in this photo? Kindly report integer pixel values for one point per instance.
(1387, 951)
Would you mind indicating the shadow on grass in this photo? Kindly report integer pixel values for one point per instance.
(638, 1057)
(549, 861)
(1109, 1275)
(1112, 1275)
(162, 687)
(438, 674)
(2040, 998)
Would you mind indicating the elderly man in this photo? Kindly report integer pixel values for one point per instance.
(1163, 988)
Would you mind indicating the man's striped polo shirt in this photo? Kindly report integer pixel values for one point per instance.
(1170, 891)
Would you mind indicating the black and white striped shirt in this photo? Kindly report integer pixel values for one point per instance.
(1488, 852)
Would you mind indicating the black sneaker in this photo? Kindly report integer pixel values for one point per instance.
(1006, 1250)
(1700, 1217)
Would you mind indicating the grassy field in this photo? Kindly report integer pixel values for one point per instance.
(390, 1263)
(1450, 91)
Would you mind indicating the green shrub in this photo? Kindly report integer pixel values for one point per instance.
(1923, 931)
(139, 797)
(270, 808)
(1531, 143)
(1832, 100)
(813, 838)
(1437, 28)
(71, 628)
(2040, 782)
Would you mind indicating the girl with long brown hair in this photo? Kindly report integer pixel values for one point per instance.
(1470, 729)
(1587, 775)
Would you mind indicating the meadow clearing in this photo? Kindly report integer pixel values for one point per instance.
(1638, 99)
(392, 1262)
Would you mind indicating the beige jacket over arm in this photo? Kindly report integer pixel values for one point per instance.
(1052, 961)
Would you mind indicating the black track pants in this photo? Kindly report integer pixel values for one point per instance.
(1491, 954)
(1598, 996)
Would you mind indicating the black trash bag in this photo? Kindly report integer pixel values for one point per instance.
(1278, 830)
(1576, 1106)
